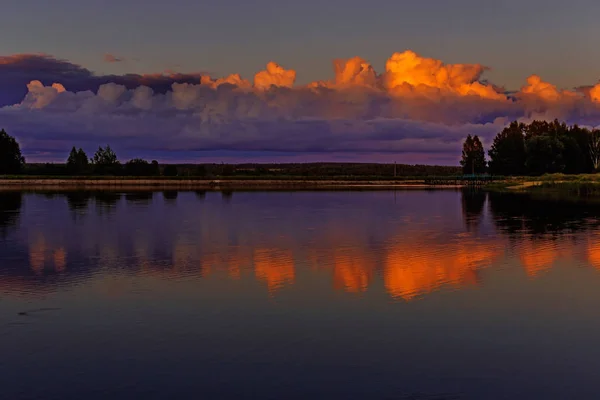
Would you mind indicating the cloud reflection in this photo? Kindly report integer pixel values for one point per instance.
(404, 248)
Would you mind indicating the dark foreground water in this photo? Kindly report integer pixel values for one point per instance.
(322, 295)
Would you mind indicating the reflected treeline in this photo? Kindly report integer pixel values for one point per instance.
(354, 251)
(78, 200)
(140, 198)
(473, 203)
(10, 209)
(170, 195)
(517, 213)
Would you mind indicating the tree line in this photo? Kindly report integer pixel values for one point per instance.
(537, 148)
(105, 162)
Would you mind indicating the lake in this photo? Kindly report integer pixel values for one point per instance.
(295, 295)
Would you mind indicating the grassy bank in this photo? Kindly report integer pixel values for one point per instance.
(581, 185)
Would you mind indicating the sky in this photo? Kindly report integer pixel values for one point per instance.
(150, 43)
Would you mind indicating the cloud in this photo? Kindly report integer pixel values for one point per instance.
(274, 75)
(17, 71)
(417, 106)
(111, 58)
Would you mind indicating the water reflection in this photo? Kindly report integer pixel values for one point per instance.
(424, 264)
(473, 203)
(516, 214)
(78, 200)
(141, 197)
(106, 201)
(10, 208)
(170, 195)
(46, 258)
(409, 247)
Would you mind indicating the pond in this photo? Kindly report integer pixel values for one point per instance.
(292, 295)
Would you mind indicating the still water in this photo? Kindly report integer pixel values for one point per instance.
(297, 295)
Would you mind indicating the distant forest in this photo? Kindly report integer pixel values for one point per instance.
(105, 162)
(519, 149)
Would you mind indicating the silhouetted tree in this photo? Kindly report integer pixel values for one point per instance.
(77, 163)
(544, 154)
(155, 168)
(473, 156)
(200, 170)
(106, 162)
(170, 170)
(507, 153)
(227, 169)
(139, 167)
(11, 159)
(573, 156)
(594, 148)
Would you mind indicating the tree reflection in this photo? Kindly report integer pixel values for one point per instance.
(141, 198)
(170, 196)
(106, 201)
(10, 209)
(78, 200)
(473, 203)
(226, 195)
(517, 213)
(200, 194)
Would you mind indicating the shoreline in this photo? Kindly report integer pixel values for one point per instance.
(195, 184)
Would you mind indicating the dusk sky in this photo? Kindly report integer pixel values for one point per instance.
(414, 107)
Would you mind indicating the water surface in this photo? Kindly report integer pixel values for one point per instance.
(295, 295)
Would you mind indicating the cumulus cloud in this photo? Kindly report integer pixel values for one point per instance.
(17, 71)
(274, 75)
(417, 105)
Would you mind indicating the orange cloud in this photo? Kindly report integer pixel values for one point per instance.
(595, 93)
(546, 91)
(408, 72)
(233, 79)
(274, 75)
(354, 71)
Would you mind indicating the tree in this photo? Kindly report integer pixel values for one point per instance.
(155, 168)
(594, 148)
(170, 170)
(544, 155)
(105, 156)
(11, 159)
(507, 153)
(227, 169)
(77, 162)
(473, 156)
(573, 156)
(106, 162)
(583, 137)
(139, 167)
(200, 170)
